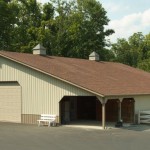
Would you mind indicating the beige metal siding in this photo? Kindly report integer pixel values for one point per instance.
(142, 103)
(10, 104)
(40, 92)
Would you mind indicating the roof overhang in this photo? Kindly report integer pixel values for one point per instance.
(125, 95)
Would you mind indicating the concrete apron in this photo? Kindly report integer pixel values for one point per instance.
(92, 125)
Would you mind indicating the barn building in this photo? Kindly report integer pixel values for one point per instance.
(73, 89)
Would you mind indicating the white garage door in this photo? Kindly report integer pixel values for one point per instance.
(10, 102)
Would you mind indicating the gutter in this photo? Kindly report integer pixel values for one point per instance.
(125, 95)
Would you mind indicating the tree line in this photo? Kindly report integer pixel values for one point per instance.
(66, 28)
(72, 28)
(135, 51)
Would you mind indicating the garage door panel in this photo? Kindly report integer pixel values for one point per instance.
(10, 103)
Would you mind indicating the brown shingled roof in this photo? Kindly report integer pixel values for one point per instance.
(103, 78)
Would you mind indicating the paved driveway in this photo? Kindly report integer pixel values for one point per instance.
(31, 137)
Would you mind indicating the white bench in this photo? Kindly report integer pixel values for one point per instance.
(47, 118)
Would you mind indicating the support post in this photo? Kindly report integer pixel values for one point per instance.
(103, 102)
(134, 113)
(119, 109)
(139, 117)
(103, 116)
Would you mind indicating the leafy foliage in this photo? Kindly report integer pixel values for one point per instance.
(8, 13)
(134, 52)
(70, 29)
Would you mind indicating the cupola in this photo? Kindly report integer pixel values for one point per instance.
(94, 56)
(39, 50)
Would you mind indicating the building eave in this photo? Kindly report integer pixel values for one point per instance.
(126, 95)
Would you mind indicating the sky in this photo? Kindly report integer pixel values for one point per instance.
(126, 17)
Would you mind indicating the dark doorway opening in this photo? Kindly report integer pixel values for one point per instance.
(127, 110)
(86, 108)
(73, 108)
(127, 107)
(112, 110)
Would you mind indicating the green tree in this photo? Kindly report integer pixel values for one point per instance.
(80, 28)
(122, 52)
(71, 29)
(131, 51)
(144, 65)
(134, 52)
(29, 20)
(146, 47)
(8, 12)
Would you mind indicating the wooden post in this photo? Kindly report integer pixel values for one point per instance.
(134, 113)
(139, 113)
(103, 102)
(119, 110)
(103, 116)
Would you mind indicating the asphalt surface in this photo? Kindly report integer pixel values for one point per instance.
(31, 137)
